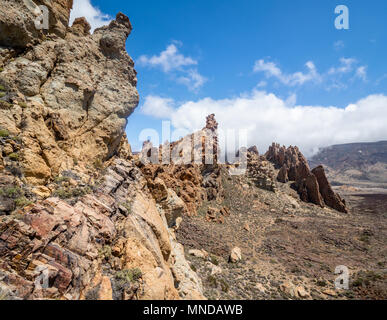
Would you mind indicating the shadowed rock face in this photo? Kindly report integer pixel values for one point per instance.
(312, 186)
(67, 97)
(331, 199)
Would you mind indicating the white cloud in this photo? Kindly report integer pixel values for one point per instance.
(298, 78)
(172, 62)
(193, 80)
(269, 118)
(333, 78)
(158, 107)
(361, 73)
(84, 8)
(345, 67)
(168, 60)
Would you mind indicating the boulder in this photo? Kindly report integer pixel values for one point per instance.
(235, 255)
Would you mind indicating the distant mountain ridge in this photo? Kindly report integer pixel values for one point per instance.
(358, 164)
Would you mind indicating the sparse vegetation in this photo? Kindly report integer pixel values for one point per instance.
(128, 275)
(214, 260)
(212, 281)
(5, 105)
(321, 283)
(98, 164)
(93, 294)
(11, 192)
(2, 88)
(68, 193)
(224, 285)
(128, 206)
(60, 179)
(105, 253)
(22, 202)
(14, 157)
(4, 133)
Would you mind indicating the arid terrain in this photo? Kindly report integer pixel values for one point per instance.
(83, 218)
(289, 246)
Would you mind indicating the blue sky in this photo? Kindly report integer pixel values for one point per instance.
(279, 60)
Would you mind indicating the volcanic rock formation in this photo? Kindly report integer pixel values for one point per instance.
(68, 228)
(66, 94)
(312, 186)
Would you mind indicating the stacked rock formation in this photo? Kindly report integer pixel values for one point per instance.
(66, 94)
(197, 177)
(260, 170)
(312, 185)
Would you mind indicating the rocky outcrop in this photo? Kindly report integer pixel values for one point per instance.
(312, 186)
(111, 244)
(331, 198)
(260, 171)
(17, 21)
(68, 96)
(196, 178)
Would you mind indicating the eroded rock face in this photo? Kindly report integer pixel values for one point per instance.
(193, 179)
(112, 244)
(312, 185)
(331, 198)
(17, 21)
(68, 98)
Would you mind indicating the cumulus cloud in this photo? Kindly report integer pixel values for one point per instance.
(298, 78)
(171, 61)
(269, 118)
(84, 8)
(158, 107)
(168, 60)
(335, 77)
(193, 80)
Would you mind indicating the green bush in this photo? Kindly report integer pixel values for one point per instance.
(128, 275)
(4, 133)
(61, 179)
(5, 105)
(22, 202)
(11, 192)
(1, 69)
(23, 105)
(2, 88)
(2, 94)
(14, 156)
(105, 252)
(68, 193)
